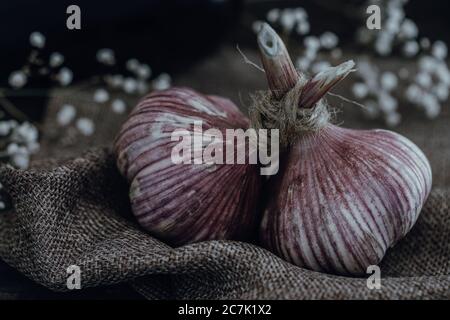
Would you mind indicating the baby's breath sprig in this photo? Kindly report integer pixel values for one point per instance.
(19, 136)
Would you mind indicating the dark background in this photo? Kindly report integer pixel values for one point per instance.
(170, 36)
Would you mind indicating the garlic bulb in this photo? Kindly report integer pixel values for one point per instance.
(184, 203)
(342, 197)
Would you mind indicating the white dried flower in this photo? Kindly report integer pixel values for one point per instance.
(424, 79)
(429, 100)
(392, 26)
(56, 59)
(287, 20)
(300, 14)
(65, 76)
(383, 47)
(310, 54)
(17, 79)
(395, 10)
(408, 29)
(162, 82)
(329, 40)
(256, 26)
(371, 109)
(432, 109)
(393, 119)
(413, 93)
(360, 90)
(118, 106)
(143, 71)
(106, 56)
(443, 74)
(387, 103)
(20, 160)
(411, 48)
(142, 87)
(37, 39)
(428, 64)
(130, 85)
(132, 65)
(273, 15)
(21, 142)
(85, 126)
(12, 148)
(13, 123)
(441, 90)
(388, 81)
(26, 132)
(311, 43)
(439, 50)
(302, 63)
(101, 96)
(303, 28)
(370, 74)
(4, 128)
(66, 114)
(115, 81)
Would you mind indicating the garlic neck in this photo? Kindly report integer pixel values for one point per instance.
(294, 104)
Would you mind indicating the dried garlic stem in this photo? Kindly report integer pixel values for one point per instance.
(280, 71)
(322, 83)
(282, 76)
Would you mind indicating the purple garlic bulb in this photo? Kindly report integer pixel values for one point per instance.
(186, 202)
(342, 197)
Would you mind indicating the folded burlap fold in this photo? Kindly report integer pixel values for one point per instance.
(76, 212)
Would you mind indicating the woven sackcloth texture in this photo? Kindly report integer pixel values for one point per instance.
(74, 210)
(76, 213)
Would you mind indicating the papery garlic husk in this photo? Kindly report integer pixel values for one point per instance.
(342, 197)
(185, 203)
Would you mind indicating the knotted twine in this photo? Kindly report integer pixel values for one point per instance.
(286, 114)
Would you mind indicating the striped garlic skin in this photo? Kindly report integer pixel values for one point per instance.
(185, 203)
(343, 197)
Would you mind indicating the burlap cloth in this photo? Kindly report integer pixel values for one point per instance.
(71, 208)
